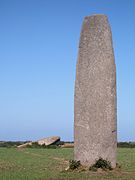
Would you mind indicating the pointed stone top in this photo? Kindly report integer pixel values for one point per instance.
(97, 15)
(96, 20)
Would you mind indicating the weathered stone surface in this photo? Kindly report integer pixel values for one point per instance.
(49, 140)
(25, 145)
(95, 126)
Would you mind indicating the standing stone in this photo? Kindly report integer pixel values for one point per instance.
(95, 115)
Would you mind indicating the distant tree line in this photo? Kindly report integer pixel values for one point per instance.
(10, 144)
(126, 144)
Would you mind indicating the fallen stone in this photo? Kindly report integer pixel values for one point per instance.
(49, 140)
(24, 145)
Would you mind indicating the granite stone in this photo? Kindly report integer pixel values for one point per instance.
(49, 140)
(95, 109)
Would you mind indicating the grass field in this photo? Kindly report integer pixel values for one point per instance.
(48, 164)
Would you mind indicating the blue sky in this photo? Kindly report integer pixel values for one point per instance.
(38, 51)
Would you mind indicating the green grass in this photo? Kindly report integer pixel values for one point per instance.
(48, 164)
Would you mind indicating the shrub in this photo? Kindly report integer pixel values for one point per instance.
(73, 164)
(101, 163)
